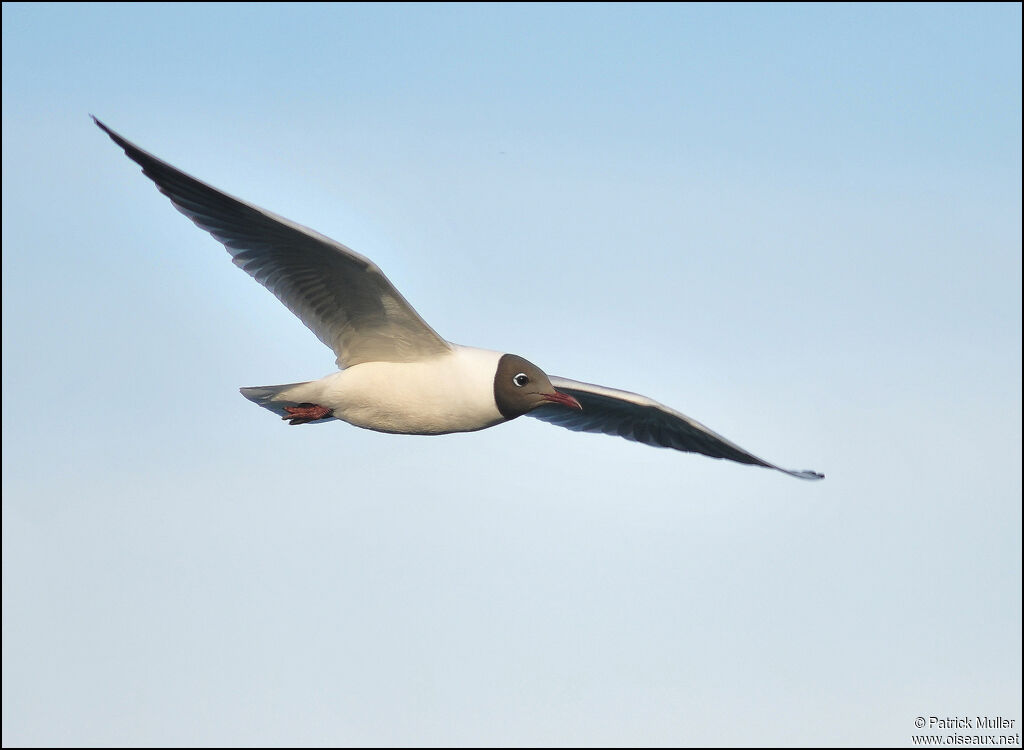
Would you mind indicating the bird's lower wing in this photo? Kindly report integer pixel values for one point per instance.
(636, 417)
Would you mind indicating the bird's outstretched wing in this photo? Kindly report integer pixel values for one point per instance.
(644, 420)
(341, 296)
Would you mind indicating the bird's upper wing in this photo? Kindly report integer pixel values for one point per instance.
(644, 420)
(341, 296)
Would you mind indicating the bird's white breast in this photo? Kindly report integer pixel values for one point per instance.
(453, 392)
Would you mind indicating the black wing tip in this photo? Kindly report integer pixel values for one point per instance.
(100, 125)
(812, 476)
(113, 136)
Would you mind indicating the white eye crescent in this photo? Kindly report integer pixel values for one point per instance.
(521, 379)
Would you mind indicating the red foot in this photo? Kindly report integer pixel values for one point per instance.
(304, 413)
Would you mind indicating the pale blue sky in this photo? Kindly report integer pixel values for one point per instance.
(799, 225)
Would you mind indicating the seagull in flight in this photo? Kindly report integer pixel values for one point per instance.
(396, 374)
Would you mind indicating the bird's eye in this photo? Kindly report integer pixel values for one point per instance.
(521, 379)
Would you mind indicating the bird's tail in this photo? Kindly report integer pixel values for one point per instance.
(275, 398)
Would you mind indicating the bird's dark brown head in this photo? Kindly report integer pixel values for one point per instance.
(520, 386)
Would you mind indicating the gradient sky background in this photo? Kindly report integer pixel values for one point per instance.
(799, 225)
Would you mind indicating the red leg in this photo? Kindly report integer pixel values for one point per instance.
(304, 413)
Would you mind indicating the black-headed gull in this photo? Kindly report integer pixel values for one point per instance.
(396, 373)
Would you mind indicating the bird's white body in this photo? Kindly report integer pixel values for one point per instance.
(452, 392)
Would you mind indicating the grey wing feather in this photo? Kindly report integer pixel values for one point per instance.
(341, 296)
(644, 420)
